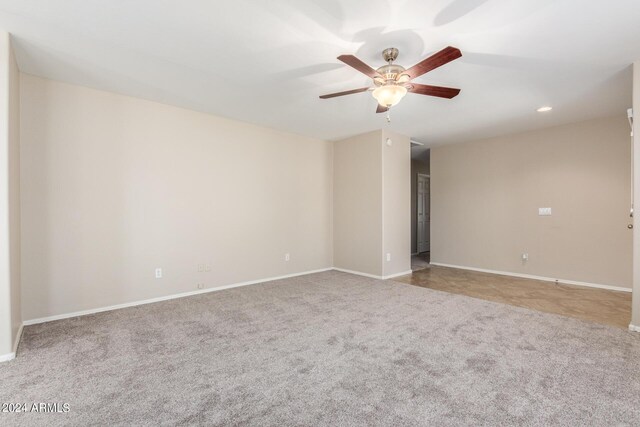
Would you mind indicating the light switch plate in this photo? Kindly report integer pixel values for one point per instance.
(544, 211)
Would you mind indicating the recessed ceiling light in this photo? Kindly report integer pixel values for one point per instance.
(544, 109)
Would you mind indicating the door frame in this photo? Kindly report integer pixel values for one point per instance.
(425, 175)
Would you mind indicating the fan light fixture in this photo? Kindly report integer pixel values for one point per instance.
(389, 95)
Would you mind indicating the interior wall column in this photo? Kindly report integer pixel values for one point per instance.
(635, 306)
(10, 292)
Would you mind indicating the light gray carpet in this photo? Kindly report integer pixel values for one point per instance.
(326, 349)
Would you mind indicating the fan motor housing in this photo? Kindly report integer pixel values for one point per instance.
(389, 72)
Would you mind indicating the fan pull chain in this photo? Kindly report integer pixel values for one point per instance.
(389, 115)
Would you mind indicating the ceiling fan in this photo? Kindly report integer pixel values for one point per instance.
(392, 82)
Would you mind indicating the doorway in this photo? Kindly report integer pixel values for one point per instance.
(420, 206)
(423, 205)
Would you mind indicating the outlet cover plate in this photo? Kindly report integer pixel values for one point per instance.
(544, 211)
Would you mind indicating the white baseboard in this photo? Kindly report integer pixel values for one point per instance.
(391, 276)
(634, 328)
(165, 298)
(11, 356)
(357, 273)
(372, 276)
(531, 276)
(7, 357)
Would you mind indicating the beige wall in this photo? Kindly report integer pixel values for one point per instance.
(635, 320)
(485, 197)
(417, 167)
(396, 169)
(114, 187)
(357, 206)
(10, 314)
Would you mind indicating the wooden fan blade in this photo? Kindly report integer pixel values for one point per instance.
(436, 60)
(347, 92)
(381, 109)
(354, 62)
(439, 91)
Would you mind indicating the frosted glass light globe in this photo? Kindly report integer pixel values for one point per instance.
(389, 95)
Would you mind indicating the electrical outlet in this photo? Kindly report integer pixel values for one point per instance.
(287, 257)
(388, 257)
(200, 268)
(207, 267)
(158, 273)
(200, 285)
(525, 257)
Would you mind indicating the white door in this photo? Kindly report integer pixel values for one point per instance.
(424, 218)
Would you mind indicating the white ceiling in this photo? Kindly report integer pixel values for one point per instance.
(266, 62)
